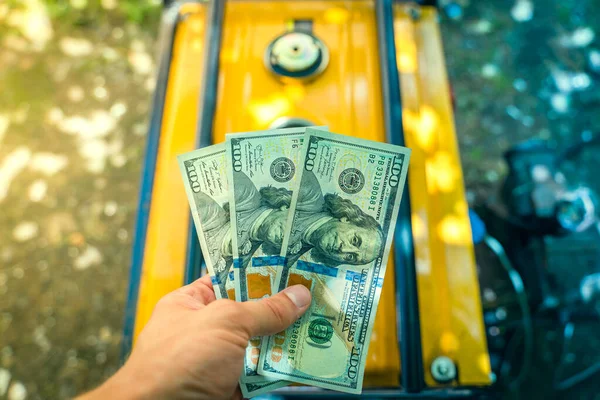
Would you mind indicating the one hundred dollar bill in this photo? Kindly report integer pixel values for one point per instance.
(262, 175)
(206, 184)
(256, 389)
(205, 179)
(337, 242)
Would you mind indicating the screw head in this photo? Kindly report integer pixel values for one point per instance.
(443, 369)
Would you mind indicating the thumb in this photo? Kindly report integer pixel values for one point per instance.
(274, 314)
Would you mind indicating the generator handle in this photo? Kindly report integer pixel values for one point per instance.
(404, 254)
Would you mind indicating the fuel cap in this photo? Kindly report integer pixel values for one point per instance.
(297, 55)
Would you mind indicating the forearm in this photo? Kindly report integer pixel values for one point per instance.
(121, 386)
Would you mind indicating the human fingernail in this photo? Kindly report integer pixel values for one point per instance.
(299, 295)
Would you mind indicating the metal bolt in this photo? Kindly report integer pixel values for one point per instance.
(415, 13)
(443, 369)
(540, 173)
(501, 313)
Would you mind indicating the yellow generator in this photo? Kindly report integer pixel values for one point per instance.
(369, 68)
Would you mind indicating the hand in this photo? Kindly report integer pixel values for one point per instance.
(193, 346)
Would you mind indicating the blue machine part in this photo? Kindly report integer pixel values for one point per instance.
(477, 227)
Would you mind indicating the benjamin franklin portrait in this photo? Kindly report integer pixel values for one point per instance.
(216, 228)
(261, 217)
(332, 228)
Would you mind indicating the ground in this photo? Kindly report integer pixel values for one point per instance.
(76, 81)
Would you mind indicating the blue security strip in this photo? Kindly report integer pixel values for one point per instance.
(214, 280)
(317, 268)
(231, 276)
(237, 263)
(267, 261)
(351, 274)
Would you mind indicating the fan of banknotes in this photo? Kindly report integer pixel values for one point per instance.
(299, 206)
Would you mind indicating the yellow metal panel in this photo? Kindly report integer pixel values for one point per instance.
(166, 240)
(346, 98)
(449, 299)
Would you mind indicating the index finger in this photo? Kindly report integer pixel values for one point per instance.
(201, 289)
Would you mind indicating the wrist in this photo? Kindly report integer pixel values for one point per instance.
(122, 386)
